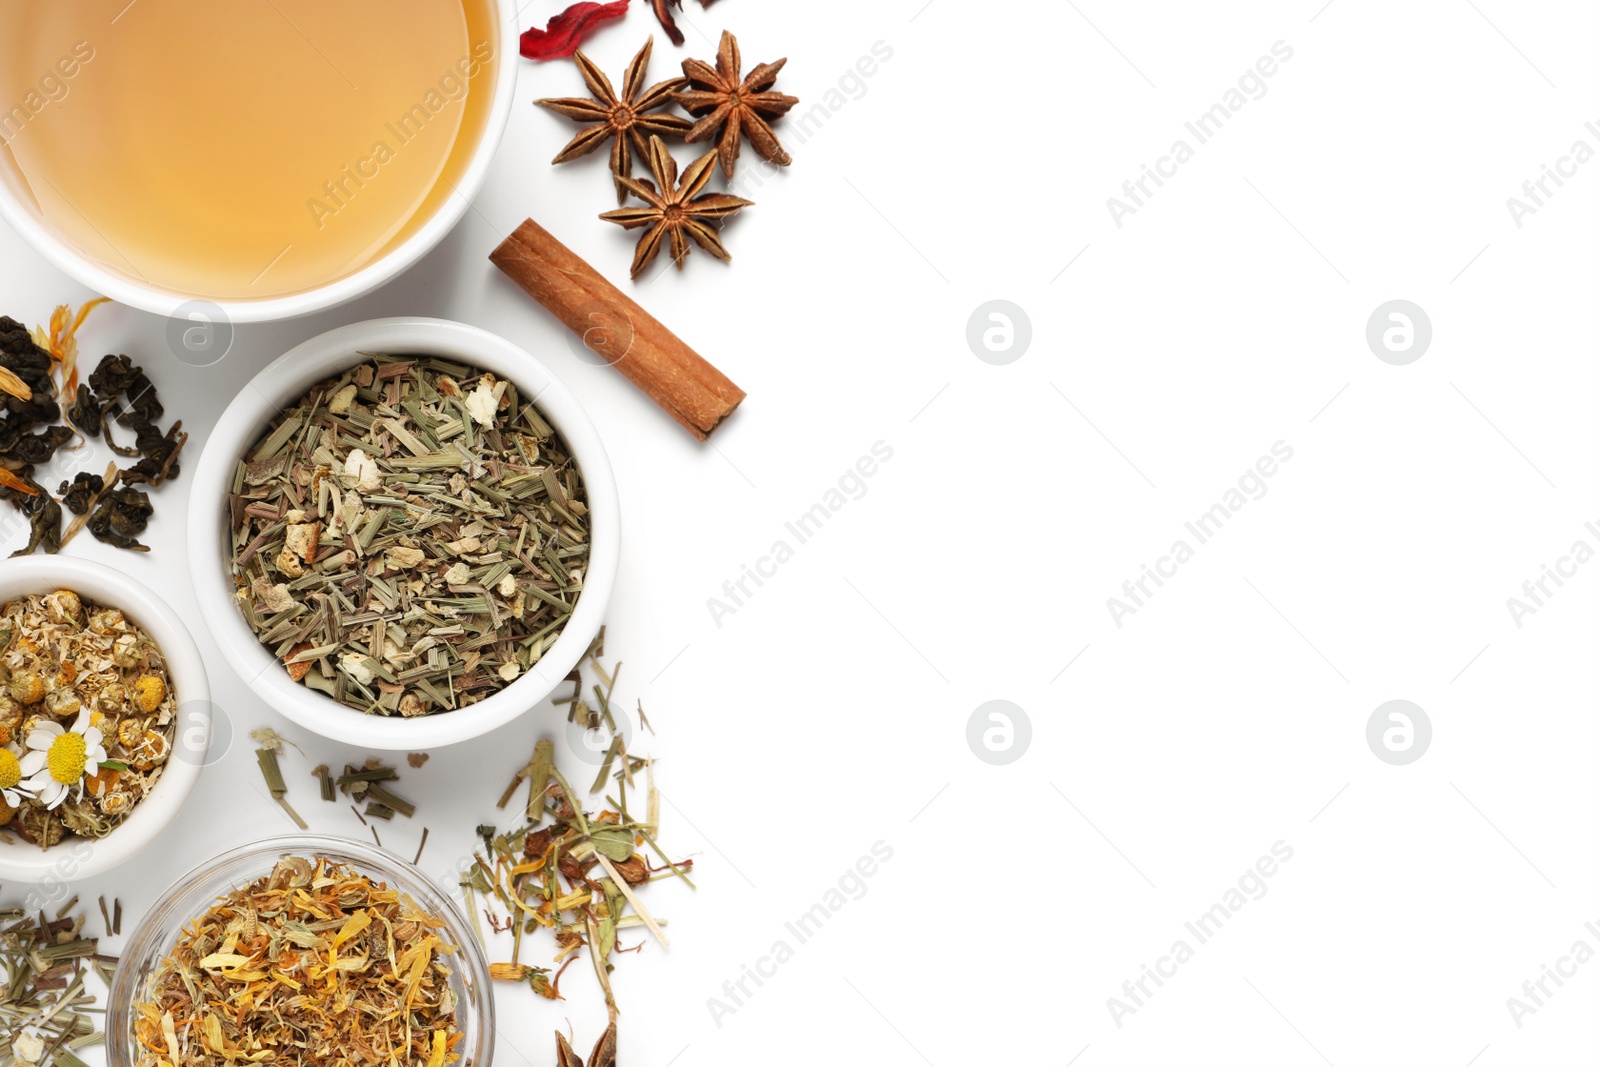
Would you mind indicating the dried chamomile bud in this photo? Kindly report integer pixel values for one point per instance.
(148, 692)
(26, 687)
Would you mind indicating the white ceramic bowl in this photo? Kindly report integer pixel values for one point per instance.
(18, 209)
(76, 858)
(284, 382)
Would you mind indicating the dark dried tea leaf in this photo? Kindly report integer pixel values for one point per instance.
(30, 433)
(79, 495)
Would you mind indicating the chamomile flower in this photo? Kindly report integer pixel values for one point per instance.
(58, 758)
(10, 778)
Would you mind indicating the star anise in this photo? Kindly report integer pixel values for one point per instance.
(625, 120)
(673, 210)
(722, 102)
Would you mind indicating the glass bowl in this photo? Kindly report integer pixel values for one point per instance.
(194, 893)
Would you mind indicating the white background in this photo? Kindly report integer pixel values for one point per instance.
(830, 711)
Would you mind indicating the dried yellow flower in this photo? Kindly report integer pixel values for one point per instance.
(125, 651)
(64, 703)
(26, 687)
(101, 782)
(106, 621)
(64, 606)
(111, 698)
(130, 732)
(70, 663)
(148, 692)
(151, 751)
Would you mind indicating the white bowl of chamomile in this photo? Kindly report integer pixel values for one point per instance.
(105, 718)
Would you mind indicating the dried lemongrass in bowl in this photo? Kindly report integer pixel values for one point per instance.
(409, 537)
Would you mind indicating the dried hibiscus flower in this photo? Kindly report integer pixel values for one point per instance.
(563, 34)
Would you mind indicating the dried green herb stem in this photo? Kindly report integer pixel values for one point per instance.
(576, 873)
(45, 1008)
(267, 759)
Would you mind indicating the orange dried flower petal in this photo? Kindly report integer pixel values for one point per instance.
(11, 481)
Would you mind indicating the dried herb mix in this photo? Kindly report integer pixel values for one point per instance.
(87, 717)
(409, 537)
(47, 1011)
(577, 874)
(312, 964)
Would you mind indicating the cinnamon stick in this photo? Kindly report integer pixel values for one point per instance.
(619, 331)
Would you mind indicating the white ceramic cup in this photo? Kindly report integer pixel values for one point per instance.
(18, 208)
(77, 857)
(282, 384)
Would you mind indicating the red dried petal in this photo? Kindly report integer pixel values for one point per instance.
(563, 34)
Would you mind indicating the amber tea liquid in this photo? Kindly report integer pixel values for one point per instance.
(241, 148)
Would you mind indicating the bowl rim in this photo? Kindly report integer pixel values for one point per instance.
(286, 379)
(79, 858)
(166, 302)
(368, 859)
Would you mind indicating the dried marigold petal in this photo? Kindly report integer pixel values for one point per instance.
(62, 341)
(11, 481)
(10, 383)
